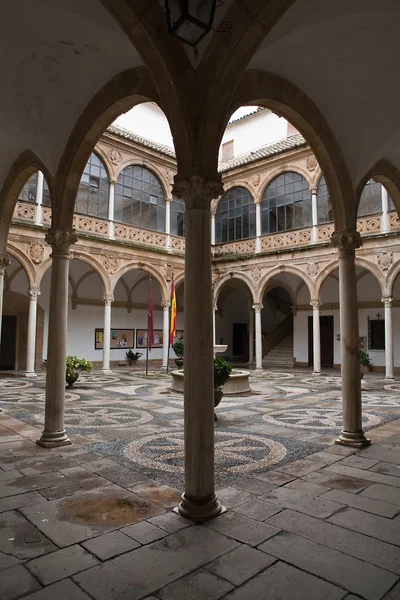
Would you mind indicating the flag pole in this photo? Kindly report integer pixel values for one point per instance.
(148, 330)
(169, 322)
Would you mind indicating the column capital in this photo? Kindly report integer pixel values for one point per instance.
(346, 241)
(197, 192)
(258, 307)
(60, 240)
(165, 305)
(34, 293)
(313, 190)
(5, 261)
(108, 299)
(387, 301)
(316, 304)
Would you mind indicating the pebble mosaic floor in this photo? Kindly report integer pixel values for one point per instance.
(136, 420)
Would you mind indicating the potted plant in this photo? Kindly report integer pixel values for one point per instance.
(222, 371)
(365, 362)
(178, 347)
(74, 366)
(133, 357)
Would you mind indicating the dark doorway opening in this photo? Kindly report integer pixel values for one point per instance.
(8, 347)
(326, 327)
(240, 341)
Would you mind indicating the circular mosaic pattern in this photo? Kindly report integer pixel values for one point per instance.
(380, 401)
(235, 453)
(270, 375)
(14, 384)
(97, 378)
(314, 418)
(30, 397)
(320, 381)
(101, 417)
(393, 387)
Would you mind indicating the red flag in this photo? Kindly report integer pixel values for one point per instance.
(150, 333)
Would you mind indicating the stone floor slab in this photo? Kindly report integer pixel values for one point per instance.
(354, 575)
(200, 585)
(73, 487)
(275, 477)
(381, 454)
(61, 564)
(394, 593)
(12, 502)
(241, 564)
(387, 469)
(299, 501)
(242, 529)
(6, 561)
(29, 484)
(385, 493)
(62, 590)
(232, 496)
(110, 544)
(170, 521)
(299, 468)
(284, 582)
(149, 568)
(16, 582)
(364, 474)
(340, 482)
(371, 525)
(257, 509)
(19, 538)
(359, 462)
(375, 507)
(7, 475)
(349, 542)
(144, 532)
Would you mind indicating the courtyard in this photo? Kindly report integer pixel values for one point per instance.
(306, 518)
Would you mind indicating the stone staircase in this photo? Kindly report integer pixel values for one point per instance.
(281, 355)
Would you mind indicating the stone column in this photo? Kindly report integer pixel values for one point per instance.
(215, 308)
(314, 213)
(213, 230)
(4, 262)
(33, 294)
(111, 211)
(199, 501)
(389, 354)
(108, 299)
(54, 434)
(258, 227)
(39, 198)
(251, 337)
(352, 433)
(257, 310)
(316, 304)
(168, 223)
(385, 225)
(166, 315)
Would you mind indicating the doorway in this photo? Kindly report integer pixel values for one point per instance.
(8, 347)
(240, 341)
(326, 330)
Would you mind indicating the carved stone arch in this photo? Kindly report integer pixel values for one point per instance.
(316, 178)
(135, 285)
(139, 266)
(278, 283)
(154, 169)
(388, 176)
(265, 280)
(361, 262)
(323, 276)
(373, 269)
(24, 261)
(391, 279)
(23, 167)
(9, 277)
(73, 285)
(230, 186)
(180, 278)
(76, 255)
(228, 277)
(287, 168)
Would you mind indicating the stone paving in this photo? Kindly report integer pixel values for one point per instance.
(307, 519)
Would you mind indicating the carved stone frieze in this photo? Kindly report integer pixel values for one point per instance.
(115, 156)
(385, 260)
(311, 163)
(256, 273)
(36, 252)
(197, 191)
(255, 180)
(346, 241)
(61, 239)
(313, 269)
(111, 264)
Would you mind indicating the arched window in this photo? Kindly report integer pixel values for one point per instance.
(286, 204)
(324, 203)
(371, 199)
(177, 215)
(29, 191)
(235, 218)
(94, 189)
(139, 199)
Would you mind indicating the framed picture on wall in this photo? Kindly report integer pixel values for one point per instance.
(141, 338)
(119, 338)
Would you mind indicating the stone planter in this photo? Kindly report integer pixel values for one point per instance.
(238, 383)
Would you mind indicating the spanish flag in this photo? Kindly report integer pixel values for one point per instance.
(172, 330)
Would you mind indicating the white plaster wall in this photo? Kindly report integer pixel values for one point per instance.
(148, 121)
(300, 335)
(235, 310)
(256, 132)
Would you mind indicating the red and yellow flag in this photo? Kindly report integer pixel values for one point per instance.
(172, 330)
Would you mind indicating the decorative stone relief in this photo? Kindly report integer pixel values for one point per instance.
(385, 260)
(36, 252)
(256, 179)
(115, 156)
(215, 276)
(61, 239)
(34, 293)
(108, 299)
(311, 163)
(256, 273)
(169, 176)
(313, 269)
(346, 241)
(110, 264)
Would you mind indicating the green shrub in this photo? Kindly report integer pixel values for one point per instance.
(130, 355)
(74, 366)
(364, 358)
(178, 347)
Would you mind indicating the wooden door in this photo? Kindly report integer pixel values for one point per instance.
(326, 330)
(8, 345)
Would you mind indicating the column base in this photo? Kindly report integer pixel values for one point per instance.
(165, 369)
(355, 440)
(317, 373)
(200, 509)
(53, 440)
(30, 374)
(106, 371)
(391, 378)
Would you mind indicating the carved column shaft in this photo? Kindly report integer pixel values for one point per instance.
(314, 214)
(199, 501)
(4, 262)
(389, 354)
(385, 225)
(251, 337)
(316, 304)
(54, 434)
(39, 198)
(258, 326)
(352, 433)
(108, 299)
(258, 227)
(111, 211)
(33, 293)
(166, 314)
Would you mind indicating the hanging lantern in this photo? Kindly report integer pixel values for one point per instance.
(190, 20)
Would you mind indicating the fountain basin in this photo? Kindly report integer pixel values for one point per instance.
(238, 382)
